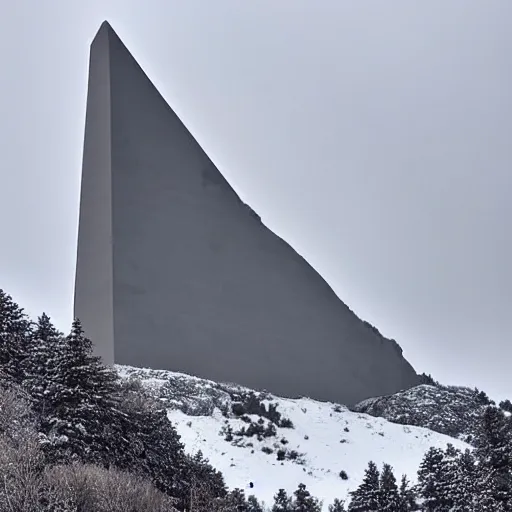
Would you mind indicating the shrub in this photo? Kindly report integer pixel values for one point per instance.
(91, 488)
(16, 417)
(21, 466)
(286, 423)
(252, 404)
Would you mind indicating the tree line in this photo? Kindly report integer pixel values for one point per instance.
(74, 437)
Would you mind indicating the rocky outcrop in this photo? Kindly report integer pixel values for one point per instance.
(452, 410)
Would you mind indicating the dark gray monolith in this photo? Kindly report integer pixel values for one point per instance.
(175, 272)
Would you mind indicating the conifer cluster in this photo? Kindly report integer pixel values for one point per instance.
(104, 429)
(85, 414)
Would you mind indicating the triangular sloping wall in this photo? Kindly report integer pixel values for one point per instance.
(174, 271)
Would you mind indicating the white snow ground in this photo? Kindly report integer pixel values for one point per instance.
(330, 437)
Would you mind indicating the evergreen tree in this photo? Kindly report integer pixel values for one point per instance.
(434, 482)
(41, 366)
(253, 505)
(366, 496)
(506, 405)
(389, 498)
(494, 454)
(337, 506)
(407, 496)
(282, 502)
(464, 483)
(482, 398)
(85, 401)
(147, 442)
(15, 331)
(454, 477)
(199, 468)
(304, 502)
(83, 372)
(236, 501)
(428, 379)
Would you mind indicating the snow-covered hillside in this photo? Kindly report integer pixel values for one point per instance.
(278, 443)
(452, 410)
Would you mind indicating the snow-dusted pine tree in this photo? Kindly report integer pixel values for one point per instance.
(236, 501)
(41, 366)
(408, 502)
(83, 371)
(149, 443)
(366, 496)
(282, 502)
(389, 498)
(85, 399)
(304, 502)
(455, 479)
(253, 505)
(464, 482)
(434, 481)
(506, 405)
(494, 454)
(200, 469)
(337, 506)
(15, 331)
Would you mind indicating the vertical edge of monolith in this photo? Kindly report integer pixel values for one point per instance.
(93, 303)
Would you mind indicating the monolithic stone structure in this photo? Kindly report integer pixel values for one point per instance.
(174, 271)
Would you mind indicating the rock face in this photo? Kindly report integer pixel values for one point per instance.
(175, 272)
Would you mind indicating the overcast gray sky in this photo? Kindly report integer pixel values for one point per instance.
(375, 137)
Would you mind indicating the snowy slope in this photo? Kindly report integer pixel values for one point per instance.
(452, 410)
(328, 438)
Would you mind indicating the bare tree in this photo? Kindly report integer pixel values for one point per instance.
(22, 487)
(17, 420)
(88, 488)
